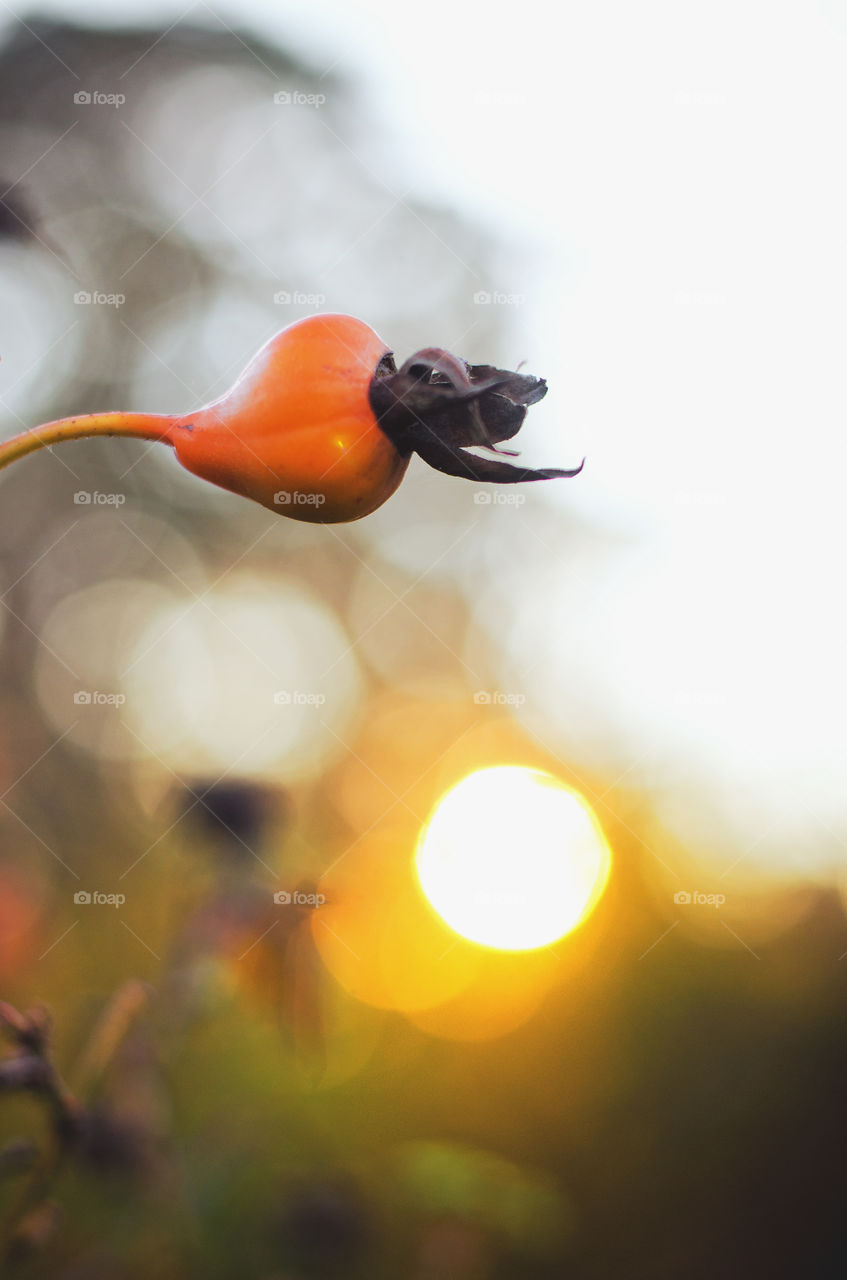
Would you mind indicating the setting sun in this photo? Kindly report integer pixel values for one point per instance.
(512, 858)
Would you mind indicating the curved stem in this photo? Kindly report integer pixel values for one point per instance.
(144, 426)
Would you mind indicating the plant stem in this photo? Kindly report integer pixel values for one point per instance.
(144, 426)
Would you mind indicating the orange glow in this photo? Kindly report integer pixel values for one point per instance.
(377, 936)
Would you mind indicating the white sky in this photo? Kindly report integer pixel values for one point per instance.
(682, 168)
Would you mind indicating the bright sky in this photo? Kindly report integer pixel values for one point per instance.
(680, 169)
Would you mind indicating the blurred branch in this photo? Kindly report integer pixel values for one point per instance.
(121, 1011)
(30, 1069)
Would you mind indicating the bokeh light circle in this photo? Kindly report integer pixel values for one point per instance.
(511, 858)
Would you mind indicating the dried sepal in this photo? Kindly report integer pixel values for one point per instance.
(440, 407)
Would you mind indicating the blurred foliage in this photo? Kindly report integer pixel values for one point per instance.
(655, 1096)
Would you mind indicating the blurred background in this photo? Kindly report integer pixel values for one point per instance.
(330, 998)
